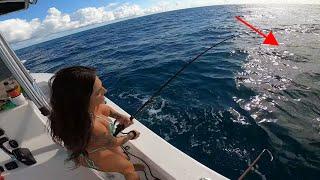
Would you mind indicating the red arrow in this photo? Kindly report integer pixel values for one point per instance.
(269, 39)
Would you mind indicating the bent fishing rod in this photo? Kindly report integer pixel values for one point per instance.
(121, 127)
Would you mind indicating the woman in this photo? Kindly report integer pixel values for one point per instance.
(79, 121)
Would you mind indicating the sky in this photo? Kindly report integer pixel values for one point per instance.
(49, 17)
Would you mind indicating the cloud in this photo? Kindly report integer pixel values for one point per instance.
(162, 6)
(92, 15)
(127, 10)
(16, 30)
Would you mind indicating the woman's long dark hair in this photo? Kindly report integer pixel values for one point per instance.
(70, 121)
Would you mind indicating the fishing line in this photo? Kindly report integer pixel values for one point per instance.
(121, 127)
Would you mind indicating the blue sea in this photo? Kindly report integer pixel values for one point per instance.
(239, 98)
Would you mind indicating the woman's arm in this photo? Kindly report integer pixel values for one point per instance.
(122, 119)
(109, 111)
(110, 141)
(114, 113)
(103, 137)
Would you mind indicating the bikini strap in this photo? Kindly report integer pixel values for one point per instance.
(89, 162)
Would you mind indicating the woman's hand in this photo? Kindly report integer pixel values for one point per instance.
(134, 134)
(124, 120)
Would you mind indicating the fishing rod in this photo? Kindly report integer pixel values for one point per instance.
(250, 167)
(121, 127)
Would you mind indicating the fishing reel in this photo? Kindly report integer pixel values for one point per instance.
(121, 127)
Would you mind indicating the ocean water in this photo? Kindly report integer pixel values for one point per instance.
(229, 105)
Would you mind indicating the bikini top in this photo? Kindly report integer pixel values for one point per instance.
(88, 161)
